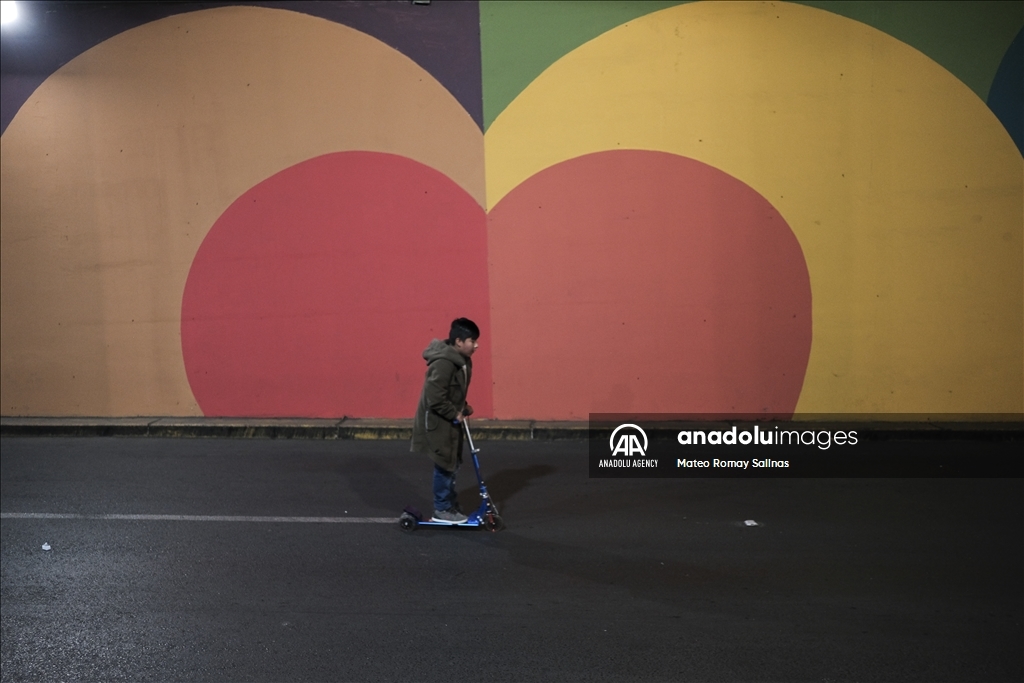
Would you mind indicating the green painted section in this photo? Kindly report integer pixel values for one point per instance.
(521, 38)
(969, 39)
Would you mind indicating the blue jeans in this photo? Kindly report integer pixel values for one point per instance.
(444, 489)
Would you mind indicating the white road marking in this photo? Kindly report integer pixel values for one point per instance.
(203, 518)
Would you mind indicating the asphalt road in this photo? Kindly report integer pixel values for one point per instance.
(593, 580)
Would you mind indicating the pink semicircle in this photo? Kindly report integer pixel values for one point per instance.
(634, 281)
(315, 292)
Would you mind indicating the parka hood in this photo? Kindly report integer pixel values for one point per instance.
(439, 349)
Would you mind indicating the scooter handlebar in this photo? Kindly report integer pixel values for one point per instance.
(465, 425)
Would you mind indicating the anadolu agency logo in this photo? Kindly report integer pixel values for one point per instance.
(627, 444)
(630, 442)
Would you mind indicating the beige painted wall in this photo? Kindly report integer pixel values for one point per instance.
(114, 170)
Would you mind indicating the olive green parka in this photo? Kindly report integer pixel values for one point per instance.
(444, 396)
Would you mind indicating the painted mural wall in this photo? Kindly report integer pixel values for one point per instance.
(269, 209)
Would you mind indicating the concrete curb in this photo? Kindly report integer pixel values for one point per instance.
(483, 430)
(281, 428)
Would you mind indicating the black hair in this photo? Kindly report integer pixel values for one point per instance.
(463, 328)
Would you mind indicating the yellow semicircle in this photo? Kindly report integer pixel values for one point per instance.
(117, 166)
(904, 190)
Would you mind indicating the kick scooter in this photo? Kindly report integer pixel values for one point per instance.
(485, 516)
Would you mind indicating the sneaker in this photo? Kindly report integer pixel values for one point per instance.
(448, 517)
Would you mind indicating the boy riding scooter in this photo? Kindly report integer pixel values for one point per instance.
(437, 429)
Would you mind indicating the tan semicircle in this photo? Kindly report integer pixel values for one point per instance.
(117, 166)
(904, 190)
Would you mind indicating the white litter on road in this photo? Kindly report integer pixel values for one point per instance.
(46, 546)
(750, 522)
(203, 518)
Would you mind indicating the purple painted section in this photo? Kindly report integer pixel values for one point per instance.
(442, 37)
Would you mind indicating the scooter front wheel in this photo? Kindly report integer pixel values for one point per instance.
(493, 522)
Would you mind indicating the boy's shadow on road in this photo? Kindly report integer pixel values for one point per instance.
(376, 484)
(502, 485)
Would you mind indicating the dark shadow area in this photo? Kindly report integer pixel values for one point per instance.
(924, 541)
(502, 485)
(380, 487)
(666, 581)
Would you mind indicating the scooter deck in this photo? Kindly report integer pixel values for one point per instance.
(475, 518)
(483, 518)
(467, 523)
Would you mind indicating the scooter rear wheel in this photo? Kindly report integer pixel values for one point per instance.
(407, 522)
